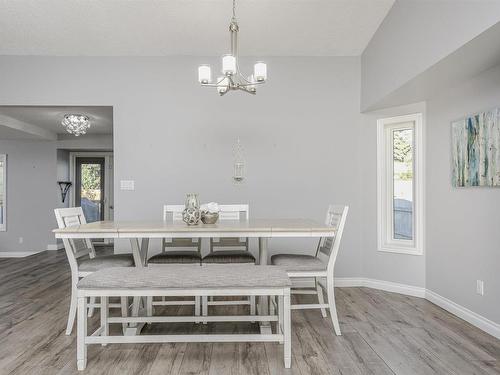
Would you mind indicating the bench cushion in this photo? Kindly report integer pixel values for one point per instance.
(105, 261)
(176, 257)
(298, 262)
(229, 256)
(187, 277)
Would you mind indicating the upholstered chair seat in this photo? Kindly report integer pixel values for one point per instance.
(105, 261)
(229, 256)
(299, 262)
(176, 257)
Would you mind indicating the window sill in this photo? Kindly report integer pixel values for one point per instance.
(400, 250)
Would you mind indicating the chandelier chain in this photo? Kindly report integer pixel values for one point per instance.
(234, 9)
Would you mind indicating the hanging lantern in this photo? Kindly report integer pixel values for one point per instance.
(239, 163)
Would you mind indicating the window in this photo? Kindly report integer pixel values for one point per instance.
(3, 192)
(400, 184)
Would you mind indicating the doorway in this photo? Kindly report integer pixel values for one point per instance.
(92, 173)
(89, 189)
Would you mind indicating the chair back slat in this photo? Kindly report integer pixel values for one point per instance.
(174, 212)
(329, 246)
(75, 247)
(235, 212)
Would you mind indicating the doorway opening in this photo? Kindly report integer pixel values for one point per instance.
(93, 188)
(89, 188)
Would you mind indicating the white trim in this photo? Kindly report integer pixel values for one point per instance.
(385, 242)
(54, 247)
(388, 286)
(18, 254)
(3, 226)
(470, 316)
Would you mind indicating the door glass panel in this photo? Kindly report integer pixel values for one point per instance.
(90, 185)
(402, 146)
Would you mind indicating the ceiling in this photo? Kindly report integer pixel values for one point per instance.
(33, 122)
(188, 27)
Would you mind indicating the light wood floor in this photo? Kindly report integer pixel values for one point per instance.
(383, 333)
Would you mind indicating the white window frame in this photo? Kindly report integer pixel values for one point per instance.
(3, 226)
(385, 186)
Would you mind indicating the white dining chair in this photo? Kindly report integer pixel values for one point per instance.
(229, 250)
(319, 266)
(83, 261)
(176, 251)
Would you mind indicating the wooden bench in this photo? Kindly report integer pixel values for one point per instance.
(184, 280)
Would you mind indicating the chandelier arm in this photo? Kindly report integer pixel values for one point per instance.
(242, 88)
(209, 85)
(252, 83)
(214, 84)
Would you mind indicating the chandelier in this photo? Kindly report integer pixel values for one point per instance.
(76, 124)
(232, 78)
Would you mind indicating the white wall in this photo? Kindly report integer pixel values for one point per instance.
(463, 224)
(172, 136)
(397, 268)
(414, 36)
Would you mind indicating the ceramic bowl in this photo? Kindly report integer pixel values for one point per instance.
(209, 217)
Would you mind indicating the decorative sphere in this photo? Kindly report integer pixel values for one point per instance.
(191, 216)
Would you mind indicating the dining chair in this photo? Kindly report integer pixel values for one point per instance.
(83, 261)
(176, 251)
(319, 266)
(230, 250)
(183, 247)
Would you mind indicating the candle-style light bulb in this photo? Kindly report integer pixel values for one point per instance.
(260, 71)
(204, 74)
(228, 65)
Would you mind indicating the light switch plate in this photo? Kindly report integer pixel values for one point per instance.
(480, 287)
(127, 185)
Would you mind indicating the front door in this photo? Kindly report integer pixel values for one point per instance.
(89, 188)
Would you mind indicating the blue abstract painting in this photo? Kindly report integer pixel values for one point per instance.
(476, 149)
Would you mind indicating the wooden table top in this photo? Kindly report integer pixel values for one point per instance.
(250, 228)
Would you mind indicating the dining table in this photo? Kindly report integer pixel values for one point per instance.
(141, 232)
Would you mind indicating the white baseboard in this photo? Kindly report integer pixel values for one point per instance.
(18, 254)
(462, 312)
(53, 247)
(388, 286)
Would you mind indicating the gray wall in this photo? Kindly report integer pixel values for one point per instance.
(463, 224)
(172, 137)
(415, 35)
(101, 142)
(31, 195)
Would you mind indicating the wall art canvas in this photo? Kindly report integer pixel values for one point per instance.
(475, 144)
